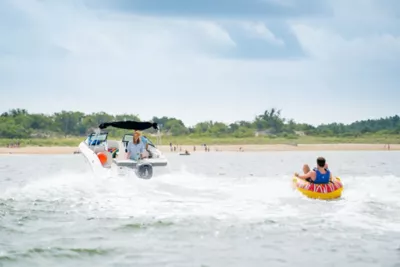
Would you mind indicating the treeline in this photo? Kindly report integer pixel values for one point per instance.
(18, 123)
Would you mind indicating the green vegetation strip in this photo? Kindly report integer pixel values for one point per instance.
(69, 128)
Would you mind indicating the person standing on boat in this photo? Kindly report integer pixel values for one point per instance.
(135, 148)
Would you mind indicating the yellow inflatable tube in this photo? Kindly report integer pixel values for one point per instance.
(332, 190)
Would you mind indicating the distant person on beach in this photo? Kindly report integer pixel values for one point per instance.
(319, 175)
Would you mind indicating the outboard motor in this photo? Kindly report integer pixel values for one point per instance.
(144, 170)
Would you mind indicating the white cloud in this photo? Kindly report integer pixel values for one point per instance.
(215, 32)
(167, 66)
(259, 30)
(325, 45)
(284, 3)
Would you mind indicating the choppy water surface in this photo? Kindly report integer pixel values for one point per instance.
(208, 209)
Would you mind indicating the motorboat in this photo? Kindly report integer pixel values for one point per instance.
(105, 155)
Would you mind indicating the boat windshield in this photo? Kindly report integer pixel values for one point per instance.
(96, 139)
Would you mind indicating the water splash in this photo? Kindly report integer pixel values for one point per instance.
(183, 194)
(74, 214)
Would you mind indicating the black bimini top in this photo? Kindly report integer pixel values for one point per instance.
(129, 125)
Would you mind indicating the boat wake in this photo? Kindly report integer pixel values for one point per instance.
(216, 212)
(181, 195)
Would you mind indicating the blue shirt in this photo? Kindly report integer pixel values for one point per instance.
(134, 149)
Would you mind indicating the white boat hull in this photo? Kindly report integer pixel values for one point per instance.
(119, 165)
(92, 159)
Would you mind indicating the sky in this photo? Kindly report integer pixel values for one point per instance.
(319, 61)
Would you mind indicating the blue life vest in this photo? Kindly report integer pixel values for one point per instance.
(322, 178)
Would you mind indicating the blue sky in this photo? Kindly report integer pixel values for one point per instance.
(224, 60)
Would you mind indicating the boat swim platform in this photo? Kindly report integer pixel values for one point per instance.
(132, 163)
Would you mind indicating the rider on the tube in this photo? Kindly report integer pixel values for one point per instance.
(319, 175)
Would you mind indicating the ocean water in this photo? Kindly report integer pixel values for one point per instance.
(207, 209)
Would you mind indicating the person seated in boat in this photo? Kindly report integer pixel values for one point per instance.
(147, 153)
(136, 148)
(145, 141)
(319, 175)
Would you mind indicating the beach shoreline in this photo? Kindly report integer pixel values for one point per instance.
(215, 148)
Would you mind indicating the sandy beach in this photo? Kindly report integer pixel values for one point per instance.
(216, 148)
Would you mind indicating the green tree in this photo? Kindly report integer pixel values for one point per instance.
(19, 123)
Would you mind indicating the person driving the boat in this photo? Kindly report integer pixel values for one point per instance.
(145, 141)
(319, 175)
(135, 148)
